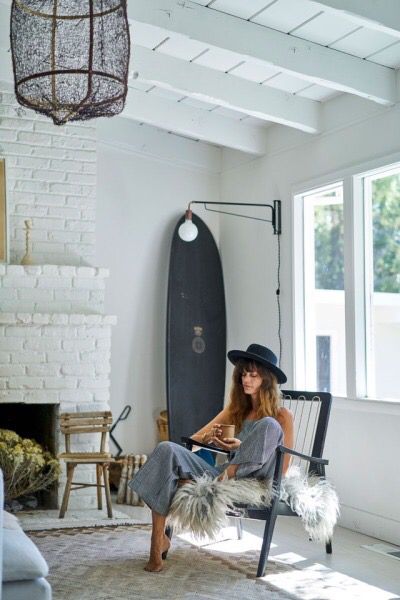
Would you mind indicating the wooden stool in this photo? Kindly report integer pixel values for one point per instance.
(81, 423)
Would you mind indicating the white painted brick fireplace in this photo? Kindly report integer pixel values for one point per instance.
(55, 339)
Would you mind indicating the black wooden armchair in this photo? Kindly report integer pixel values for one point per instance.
(311, 415)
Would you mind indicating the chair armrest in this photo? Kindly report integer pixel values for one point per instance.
(313, 459)
(190, 442)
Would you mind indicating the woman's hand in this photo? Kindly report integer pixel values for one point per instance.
(212, 433)
(213, 436)
(229, 444)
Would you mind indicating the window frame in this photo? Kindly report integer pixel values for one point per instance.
(357, 308)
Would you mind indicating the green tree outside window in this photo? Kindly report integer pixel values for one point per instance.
(386, 225)
(329, 239)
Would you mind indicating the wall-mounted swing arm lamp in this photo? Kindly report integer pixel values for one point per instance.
(188, 230)
(188, 233)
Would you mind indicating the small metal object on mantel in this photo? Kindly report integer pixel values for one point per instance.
(122, 417)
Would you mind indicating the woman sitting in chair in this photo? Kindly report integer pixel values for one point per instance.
(261, 423)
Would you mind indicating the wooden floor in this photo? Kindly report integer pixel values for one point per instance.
(357, 567)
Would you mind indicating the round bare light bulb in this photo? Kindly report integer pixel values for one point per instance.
(188, 231)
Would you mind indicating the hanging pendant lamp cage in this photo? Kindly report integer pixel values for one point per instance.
(70, 57)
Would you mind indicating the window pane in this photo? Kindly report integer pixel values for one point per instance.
(383, 203)
(325, 338)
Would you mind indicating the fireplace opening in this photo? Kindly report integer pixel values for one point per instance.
(38, 422)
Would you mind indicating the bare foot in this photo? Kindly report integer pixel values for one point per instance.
(155, 563)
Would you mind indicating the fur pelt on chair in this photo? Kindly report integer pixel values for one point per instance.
(314, 499)
(201, 506)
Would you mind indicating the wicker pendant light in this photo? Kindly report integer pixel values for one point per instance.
(70, 57)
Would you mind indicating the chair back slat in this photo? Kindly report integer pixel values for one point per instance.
(311, 414)
(96, 422)
(86, 415)
(308, 429)
(86, 422)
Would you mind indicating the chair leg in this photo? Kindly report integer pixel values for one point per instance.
(239, 529)
(98, 483)
(168, 532)
(64, 504)
(268, 531)
(328, 547)
(107, 490)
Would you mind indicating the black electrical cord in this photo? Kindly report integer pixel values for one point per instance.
(278, 297)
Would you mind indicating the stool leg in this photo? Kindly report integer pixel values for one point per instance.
(98, 482)
(107, 490)
(70, 474)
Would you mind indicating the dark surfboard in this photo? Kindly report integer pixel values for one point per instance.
(196, 333)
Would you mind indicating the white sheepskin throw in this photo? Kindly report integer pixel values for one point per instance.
(200, 506)
(314, 499)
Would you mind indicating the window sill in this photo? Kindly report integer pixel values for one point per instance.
(367, 405)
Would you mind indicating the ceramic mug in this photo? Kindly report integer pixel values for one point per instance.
(228, 431)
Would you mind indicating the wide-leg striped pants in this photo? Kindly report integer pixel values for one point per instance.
(156, 482)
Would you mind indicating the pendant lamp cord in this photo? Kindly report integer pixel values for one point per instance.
(278, 297)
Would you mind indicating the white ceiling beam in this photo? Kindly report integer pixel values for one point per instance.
(382, 15)
(216, 87)
(301, 58)
(141, 139)
(195, 123)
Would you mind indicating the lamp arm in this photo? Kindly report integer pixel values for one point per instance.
(275, 210)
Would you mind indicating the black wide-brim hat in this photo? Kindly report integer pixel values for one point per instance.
(262, 355)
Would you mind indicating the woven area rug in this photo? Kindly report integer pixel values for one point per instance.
(37, 520)
(105, 564)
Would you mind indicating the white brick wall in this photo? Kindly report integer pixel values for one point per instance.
(55, 342)
(42, 361)
(52, 289)
(51, 179)
(58, 359)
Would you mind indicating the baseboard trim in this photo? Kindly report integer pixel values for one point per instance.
(377, 526)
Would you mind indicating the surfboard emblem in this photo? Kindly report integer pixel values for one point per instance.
(198, 343)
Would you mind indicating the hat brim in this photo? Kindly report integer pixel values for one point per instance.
(235, 355)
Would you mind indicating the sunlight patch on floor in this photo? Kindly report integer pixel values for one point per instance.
(227, 542)
(289, 558)
(319, 581)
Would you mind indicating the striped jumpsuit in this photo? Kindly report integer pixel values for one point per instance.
(157, 481)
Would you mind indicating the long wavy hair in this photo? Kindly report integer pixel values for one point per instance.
(240, 403)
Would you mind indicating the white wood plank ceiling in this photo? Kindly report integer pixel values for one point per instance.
(256, 62)
(221, 71)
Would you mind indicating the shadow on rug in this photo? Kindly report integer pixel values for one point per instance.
(105, 564)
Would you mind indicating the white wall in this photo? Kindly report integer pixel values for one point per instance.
(362, 443)
(145, 181)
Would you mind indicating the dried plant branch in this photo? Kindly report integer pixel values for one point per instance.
(26, 466)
